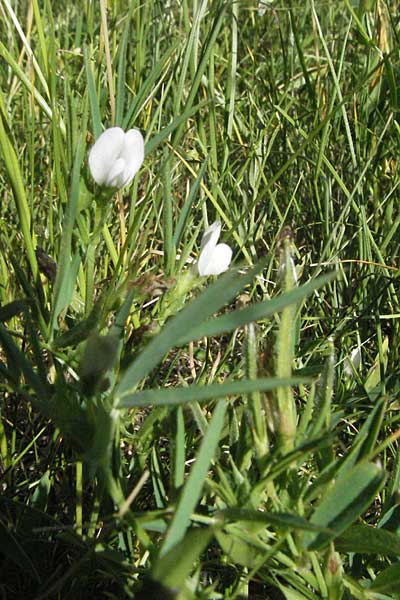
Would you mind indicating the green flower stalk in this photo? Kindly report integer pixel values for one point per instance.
(286, 417)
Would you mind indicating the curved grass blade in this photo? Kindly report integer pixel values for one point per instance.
(18, 187)
(201, 393)
(164, 133)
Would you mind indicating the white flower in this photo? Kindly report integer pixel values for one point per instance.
(214, 258)
(262, 7)
(352, 362)
(116, 157)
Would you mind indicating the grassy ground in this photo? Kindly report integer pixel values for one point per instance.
(165, 435)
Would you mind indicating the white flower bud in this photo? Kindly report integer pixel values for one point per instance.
(214, 258)
(352, 362)
(116, 157)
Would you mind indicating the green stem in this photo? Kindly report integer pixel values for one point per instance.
(286, 408)
(259, 430)
(78, 507)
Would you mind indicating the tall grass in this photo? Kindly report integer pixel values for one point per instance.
(165, 435)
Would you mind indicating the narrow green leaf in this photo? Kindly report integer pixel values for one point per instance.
(169, 249)
(184, 212)
(25, 80)
(346, 500)
(284, 520)
(255, 312)
(94, 102)
(214, 297)
(201, 393)
(121, 71)
(179, 449)
(146, 90)
(206, 51)
(324, 394)
(164, 133)
(67, 269)
(245, 552)
(192, 490)
(172, 568)
(20, 364)
(361, 449)
(66, 285)
(14, 174)
(365, 539)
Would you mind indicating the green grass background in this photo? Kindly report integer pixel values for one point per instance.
(151, 445)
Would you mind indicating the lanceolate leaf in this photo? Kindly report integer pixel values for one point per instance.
(191, 323)
(346, 500)
(204, 306)
(365, 539)
(255, 312)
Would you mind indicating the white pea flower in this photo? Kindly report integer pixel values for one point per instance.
(352, 362)
(262, 7)
(116, 157)
(214, 258)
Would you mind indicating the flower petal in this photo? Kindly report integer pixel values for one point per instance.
(115, 177)
(133, 154)
(352, 361)
(105, 152)
(211, 235)
(214, 260)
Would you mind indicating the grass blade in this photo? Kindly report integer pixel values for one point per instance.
(194, 484)
(202, 393)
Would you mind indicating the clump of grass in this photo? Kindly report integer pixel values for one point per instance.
(167, 435)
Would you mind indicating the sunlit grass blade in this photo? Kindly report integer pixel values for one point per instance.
(67, 266)
(27, 47)
(185, 210)
(94, 103)
(155, 141)
(202, 393)
(169, 248)
(147, 90)
(4, 53)
(21, 202)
